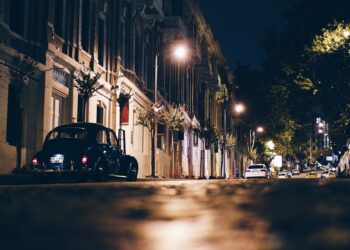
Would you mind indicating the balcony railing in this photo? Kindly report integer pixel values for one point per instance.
(150, 7)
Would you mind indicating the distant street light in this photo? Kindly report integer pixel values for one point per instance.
(239, 108)
(260, 130)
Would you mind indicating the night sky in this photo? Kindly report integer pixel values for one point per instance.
(239, 25)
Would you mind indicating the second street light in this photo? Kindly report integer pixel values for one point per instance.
(238, 109)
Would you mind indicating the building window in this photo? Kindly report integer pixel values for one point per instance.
(125, 114)
(17, 16)
(161, 136)
(56, 111)
(80, 109)
(13, 110)
(58, 26)
(85, 29)
(101, 41)
(100, 114)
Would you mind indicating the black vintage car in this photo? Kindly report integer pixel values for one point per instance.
(87, 150)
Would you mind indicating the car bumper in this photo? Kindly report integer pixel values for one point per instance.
(255, 175)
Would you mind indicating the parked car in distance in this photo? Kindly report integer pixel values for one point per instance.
(86, 150)
(257, 171)
(312, 175)
(282, 175)
(295, 172)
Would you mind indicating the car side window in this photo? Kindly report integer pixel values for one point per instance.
(101, 137)
(112, 138)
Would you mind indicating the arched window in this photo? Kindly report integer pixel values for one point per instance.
(100, 113)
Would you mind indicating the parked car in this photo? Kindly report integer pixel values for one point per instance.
(329, 174)
(312, 175)
(257, 171)
(282, 175)
(84, 149)
(295, 172)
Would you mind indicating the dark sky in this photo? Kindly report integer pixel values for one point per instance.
(239, 25)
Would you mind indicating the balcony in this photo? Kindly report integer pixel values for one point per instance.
(150, 8)
(174, 27)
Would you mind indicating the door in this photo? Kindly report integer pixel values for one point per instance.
(116, 152)
(105, 148)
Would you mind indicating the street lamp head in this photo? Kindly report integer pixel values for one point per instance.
(260, 130)
(181, 52)
(239, 108)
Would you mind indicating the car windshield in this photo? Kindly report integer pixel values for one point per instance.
(255, 166)
(68, 133)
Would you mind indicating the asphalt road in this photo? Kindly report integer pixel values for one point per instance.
(219, 214)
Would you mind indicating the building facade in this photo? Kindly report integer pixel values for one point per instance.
(129, 42)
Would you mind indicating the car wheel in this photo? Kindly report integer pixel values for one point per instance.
(132, 170)
(100, 168)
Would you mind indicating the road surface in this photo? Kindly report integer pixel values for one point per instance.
(198, 214)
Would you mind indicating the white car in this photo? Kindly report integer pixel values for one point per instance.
(282, 175)
(295, 172)
(257, 171)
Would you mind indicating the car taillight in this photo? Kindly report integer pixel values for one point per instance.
(247, 170)
(84, 160)
(264, 170)
(35, 161)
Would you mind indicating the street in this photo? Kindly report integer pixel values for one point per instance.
(184, 214)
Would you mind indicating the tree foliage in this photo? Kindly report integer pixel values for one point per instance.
(150, 116)
(306, 74)
(87, 83)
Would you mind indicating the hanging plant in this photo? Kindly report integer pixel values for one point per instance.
(123, 98)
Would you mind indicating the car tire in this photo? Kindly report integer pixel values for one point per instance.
(100, 169)
(132, 170)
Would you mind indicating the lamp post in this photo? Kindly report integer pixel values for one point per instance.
(238, 109)
(180, 53)
(223, 164)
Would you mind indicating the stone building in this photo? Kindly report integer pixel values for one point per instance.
(43, 43)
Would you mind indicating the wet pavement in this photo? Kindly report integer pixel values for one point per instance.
(197, 214)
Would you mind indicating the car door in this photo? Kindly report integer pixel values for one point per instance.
(115, 151)
(105, 147)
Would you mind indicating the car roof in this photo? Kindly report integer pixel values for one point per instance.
(86, 125)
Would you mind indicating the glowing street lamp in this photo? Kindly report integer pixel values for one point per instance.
(180, 52)
(260, 130)
(239, 108)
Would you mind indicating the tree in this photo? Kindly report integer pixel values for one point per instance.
(149, 118)
(87, 84)
(306, 73)
(176, 123)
